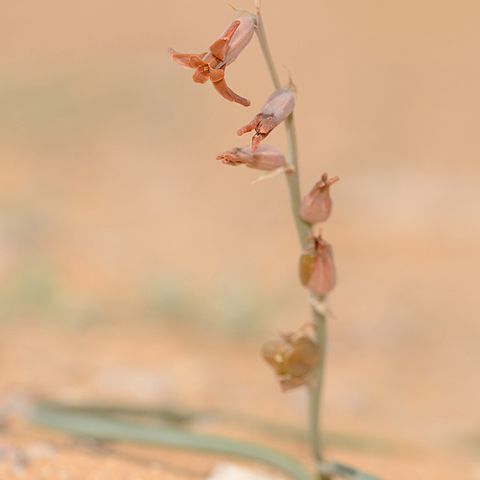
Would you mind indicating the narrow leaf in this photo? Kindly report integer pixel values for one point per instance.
(110, 429)
(344, 471)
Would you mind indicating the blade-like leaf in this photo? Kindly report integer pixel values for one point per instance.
(339, 470)
(180, 417)
(110, 429)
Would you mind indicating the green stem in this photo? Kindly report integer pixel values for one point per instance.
(303, 231)
(262, 37)
(316, 388)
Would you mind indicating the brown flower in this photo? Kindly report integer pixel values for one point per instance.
(211, 65)
(276, 109)
(317, 204)
(265, 157)
(317, 269)
(293, 358)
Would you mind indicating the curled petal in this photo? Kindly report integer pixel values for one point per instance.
(218, 79)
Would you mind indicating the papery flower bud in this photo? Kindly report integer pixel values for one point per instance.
(317, 269)
(228, 48)
(293, 358)
(276, 109)
(211, 65)
(265, 157)
(317, 204)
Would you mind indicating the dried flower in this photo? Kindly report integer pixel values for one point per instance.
(276, 109)
(317, 269)
(317, 204)
(265, 157)
(293, 358)
(211, 65)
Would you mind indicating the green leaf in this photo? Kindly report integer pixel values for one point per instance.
(98, 427)
(344, 471)
(181, 417)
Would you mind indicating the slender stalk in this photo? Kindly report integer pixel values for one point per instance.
(315, 391)
(303, 231)
(264, 45)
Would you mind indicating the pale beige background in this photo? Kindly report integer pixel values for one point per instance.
(109, 188)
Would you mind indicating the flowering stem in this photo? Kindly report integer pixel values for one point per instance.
(264, 46)
(316, 387)
(303, 230)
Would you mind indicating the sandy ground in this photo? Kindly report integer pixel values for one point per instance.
(151, 367)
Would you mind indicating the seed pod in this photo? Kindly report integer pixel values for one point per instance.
(317, 204)
(317, 268)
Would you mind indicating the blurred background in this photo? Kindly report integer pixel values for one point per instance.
(136, 268)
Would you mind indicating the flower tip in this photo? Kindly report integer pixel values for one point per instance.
(243, 101)
(328, 182)
(172, 53)
(334, 180)
(232, 157)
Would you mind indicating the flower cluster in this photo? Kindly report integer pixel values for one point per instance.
(211, 66)
(294, 356)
